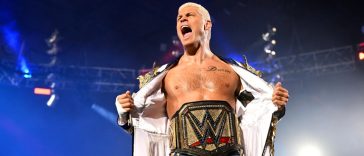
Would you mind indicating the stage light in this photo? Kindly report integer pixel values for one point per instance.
(268, 48)
(268, 51)
(309, 150)
(42, 91)
(274, 42)
(361, 56)
(175, 53)
(274, 29)
(110, 116)
(273, 53)
(25, 71)
(360, 51)
(12, 38)
(27, 75)
(51, 100)
(266, 36)
(53, 84)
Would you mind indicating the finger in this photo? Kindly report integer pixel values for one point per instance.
(284, 100)
(279, 103)
(127, 105)
(125, 100)
(278, 84)
(281, 94)
(280, 98)
(128, 94)
(280, 88)
(122, 96)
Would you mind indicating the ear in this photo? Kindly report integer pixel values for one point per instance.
(208, 25)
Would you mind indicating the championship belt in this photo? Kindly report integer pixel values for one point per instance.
(205, 128)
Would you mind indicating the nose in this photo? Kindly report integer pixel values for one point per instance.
(183, 19)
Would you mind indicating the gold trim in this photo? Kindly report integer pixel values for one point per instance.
(144, 79)
(205, 128)
(271, 136)
(250, 68)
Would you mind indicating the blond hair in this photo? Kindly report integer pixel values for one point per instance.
(202, 10)
(205, 14)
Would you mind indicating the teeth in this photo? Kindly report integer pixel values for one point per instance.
(185, 28)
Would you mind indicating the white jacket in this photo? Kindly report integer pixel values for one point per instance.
(149, 120)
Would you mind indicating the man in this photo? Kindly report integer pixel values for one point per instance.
(201, 104)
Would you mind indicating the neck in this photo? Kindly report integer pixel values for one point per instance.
(197, 53)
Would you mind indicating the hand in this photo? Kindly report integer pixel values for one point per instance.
(125, 101)
(280, 95)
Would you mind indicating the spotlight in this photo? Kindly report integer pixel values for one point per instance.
(361, 56)
(27, 75)
(310, 150)
(24, 69)
(42, 91)
(266, 36)
(176, 42)
(273, 52)
(53, 38)
(268, 48)
(175, 53)
(104, 113)
(53, 84)
(53, 51)
(360, 51)
(274, 42)
(51, 100)
(274, 29)
(268, 51)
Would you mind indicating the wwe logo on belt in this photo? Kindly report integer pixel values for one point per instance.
(209, 131)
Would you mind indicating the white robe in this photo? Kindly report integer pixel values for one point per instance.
(150, 121)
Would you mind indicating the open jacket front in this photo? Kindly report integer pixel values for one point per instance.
(148, 122)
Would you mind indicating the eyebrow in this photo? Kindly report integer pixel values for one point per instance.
(179, 16)
(188, 13)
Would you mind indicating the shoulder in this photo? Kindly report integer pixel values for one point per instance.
(245, 65)
(155, 71)
(147, 77)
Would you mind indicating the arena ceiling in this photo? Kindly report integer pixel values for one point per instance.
(130, 33)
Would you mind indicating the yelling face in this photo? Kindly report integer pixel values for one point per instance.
(190, 26)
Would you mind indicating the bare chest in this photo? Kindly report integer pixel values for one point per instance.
(204, 79)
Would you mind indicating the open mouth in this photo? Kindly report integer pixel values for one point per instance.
(186, 31)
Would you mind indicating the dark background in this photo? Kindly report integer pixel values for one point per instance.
(324, 112)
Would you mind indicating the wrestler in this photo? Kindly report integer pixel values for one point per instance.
(201, 101)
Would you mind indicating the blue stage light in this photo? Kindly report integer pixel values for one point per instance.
(12, 39)
(27, 76)
(235, 56)
(24, 68)
(51, 100)
(110, 116)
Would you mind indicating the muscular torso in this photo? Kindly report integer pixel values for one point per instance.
(212, 79)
